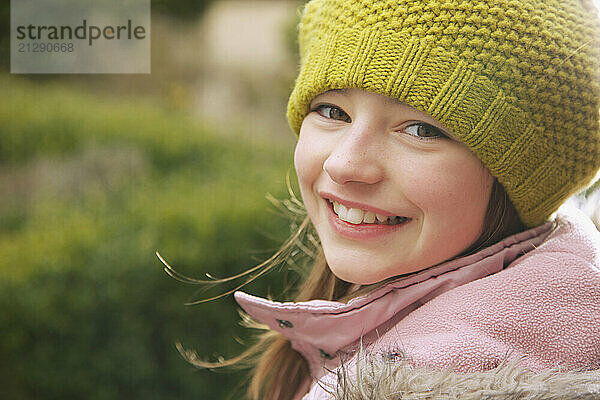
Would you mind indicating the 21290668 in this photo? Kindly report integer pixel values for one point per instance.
(46, 47)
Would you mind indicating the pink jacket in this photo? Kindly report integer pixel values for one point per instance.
(535, 296)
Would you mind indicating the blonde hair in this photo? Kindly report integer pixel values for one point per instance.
(278, 371)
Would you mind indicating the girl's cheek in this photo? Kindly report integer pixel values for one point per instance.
(300, 162)
(307, 162)
(448, 184)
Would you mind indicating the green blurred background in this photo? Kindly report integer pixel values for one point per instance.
(97, 172)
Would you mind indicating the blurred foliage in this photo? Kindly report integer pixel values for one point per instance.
(290, 31)
(181, 9)
(5, 34)
(91, 188)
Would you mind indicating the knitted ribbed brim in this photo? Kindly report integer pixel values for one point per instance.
(516, 81)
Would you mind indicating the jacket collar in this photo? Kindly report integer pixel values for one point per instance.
(319, 329)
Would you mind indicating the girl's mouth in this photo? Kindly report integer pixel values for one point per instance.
(357, 216)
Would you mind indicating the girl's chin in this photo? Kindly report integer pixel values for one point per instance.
(358, 274)
(366, 269)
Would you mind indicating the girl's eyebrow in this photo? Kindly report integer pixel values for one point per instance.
(387, 99)
(342, 92)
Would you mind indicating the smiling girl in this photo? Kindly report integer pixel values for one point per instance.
(384, 186)
(436, 142)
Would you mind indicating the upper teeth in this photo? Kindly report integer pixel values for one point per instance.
(358, 216)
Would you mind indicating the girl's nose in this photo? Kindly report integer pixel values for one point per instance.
(356, 158)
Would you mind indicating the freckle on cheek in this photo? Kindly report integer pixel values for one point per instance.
(430, 191)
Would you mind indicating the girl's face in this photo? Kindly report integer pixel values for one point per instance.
(387, 188)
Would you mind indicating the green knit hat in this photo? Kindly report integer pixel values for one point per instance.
(517, 81)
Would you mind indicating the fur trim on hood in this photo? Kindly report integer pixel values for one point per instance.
(381, 378)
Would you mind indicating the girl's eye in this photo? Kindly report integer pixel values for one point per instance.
(421, 130)
(332, 112)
